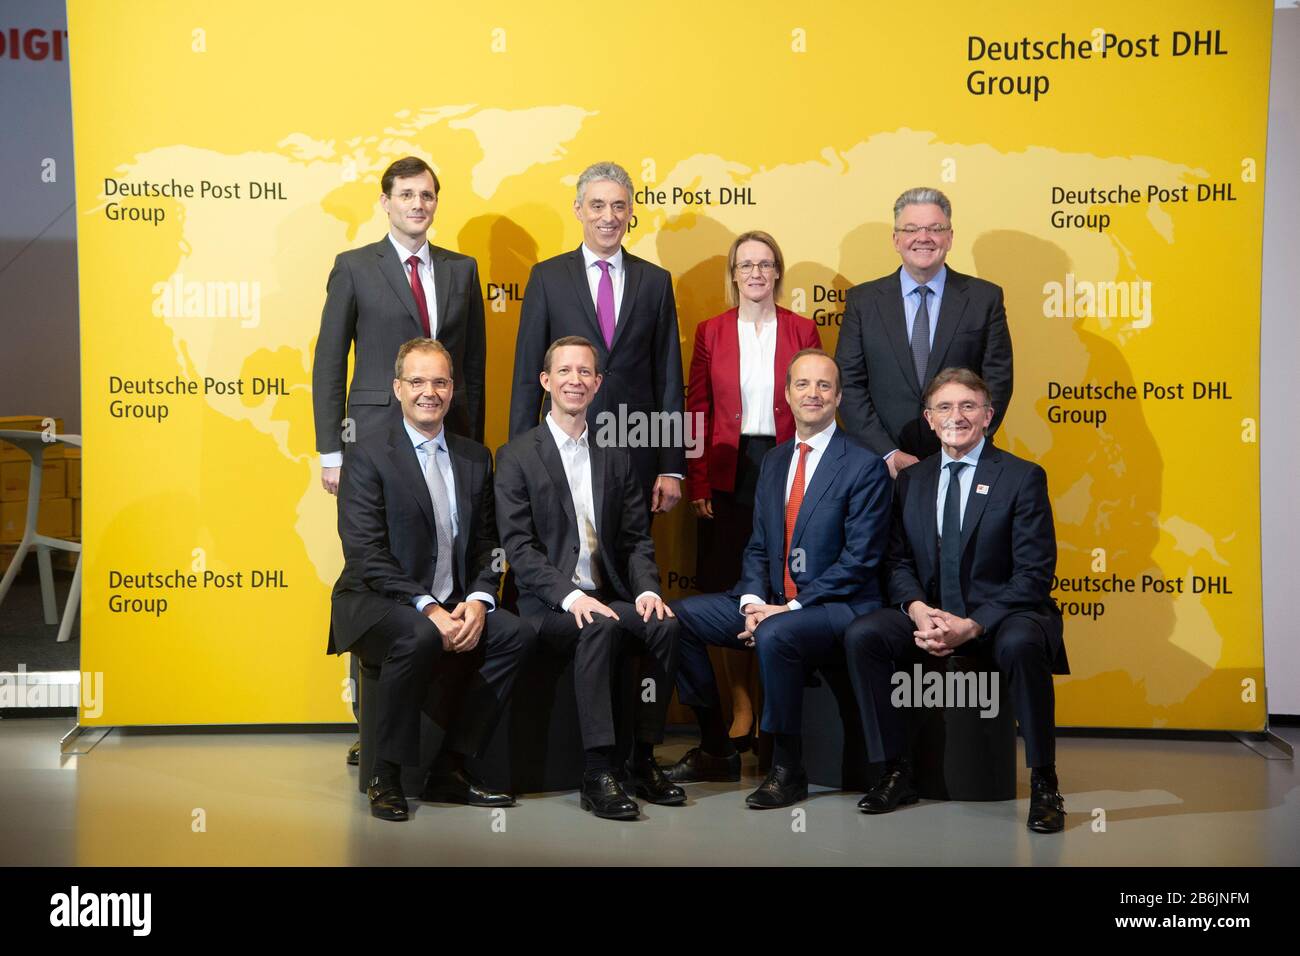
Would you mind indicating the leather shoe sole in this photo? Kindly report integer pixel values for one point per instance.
(630, 813)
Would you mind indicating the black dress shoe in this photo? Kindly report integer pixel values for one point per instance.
(354, 754)
(649, 783)
(782, 787)
(697, 766)
(1046, 807)
(460, 786)
(603, 796)
(892, 790)
(386, 799)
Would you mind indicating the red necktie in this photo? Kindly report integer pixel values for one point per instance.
(792, 515)
(417, 289)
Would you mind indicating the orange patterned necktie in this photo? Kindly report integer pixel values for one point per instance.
(792, 514)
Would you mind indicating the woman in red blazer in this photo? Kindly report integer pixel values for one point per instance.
(737, 382)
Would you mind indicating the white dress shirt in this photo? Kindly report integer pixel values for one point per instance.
(443, 461)
(617, 274)
(576, 457)
(818, 445)
(757, 377)
(334, 459)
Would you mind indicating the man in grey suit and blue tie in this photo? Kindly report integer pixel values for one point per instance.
(900, 330)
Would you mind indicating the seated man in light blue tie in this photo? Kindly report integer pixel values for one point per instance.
(417, 596)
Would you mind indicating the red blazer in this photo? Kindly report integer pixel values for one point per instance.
(714, 391)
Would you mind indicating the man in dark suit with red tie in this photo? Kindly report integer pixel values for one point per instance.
(625, 307)
(900, 330)
(821, 518)
(971, 557)
(379, 296)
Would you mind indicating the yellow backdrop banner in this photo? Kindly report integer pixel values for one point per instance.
(1105, 163)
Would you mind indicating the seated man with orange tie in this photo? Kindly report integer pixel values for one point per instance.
(812, 565)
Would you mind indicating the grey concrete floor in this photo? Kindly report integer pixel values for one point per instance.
(215, 799)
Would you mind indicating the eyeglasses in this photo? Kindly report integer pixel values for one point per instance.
(767, 266)
(407, 195)
(936, 230)
(966, 408)
(439, 384)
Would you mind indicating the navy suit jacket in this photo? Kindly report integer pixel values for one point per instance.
(1008, 544)
(842, 529)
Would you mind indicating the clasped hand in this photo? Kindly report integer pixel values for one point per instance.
(756, 614)
(461, 627)
(939, 632)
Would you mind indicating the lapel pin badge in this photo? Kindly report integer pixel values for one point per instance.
(981, 489)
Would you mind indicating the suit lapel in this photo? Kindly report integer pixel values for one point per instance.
(927, 498)
(950, 313)
(550, 456)
(463, 470)
(402, 454)
(775, 514)
(828, 470)
(986, 473)
(632, 268)
(441, 285)
(895, 322)
(599, 472)
(582, 289)
(395, 273)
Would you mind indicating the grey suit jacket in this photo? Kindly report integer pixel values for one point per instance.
(368, 301)
(882, 399)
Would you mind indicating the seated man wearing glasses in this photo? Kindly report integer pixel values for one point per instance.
(900, 330)
(972, 551)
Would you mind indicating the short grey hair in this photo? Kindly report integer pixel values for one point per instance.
(599, 172)
(922, 196)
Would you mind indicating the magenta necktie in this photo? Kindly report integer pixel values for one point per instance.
(605, 303)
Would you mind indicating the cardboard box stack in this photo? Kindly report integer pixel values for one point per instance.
(60, 508)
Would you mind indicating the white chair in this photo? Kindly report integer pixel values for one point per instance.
(35, 445)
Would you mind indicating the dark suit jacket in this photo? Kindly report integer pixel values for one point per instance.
(389, 539)
(368, 300)
(539, 528)
(643, 368)
(882, 402)
(714, 393)
(1008, 544)
(842, 527)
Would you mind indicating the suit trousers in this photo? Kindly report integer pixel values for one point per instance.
(463, 693)
(598, 649)
(790, 647)
(879, 643)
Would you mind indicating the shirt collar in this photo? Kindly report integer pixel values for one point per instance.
(910, 285)
(440, 440)
(820, 440)
(971, 457)
(589, 257)
(404, 253)
(562, 437)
